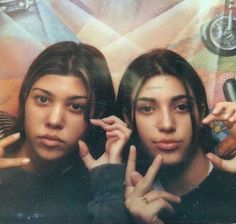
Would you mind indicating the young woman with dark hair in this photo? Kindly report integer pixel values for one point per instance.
(66, 90)
(164, 102)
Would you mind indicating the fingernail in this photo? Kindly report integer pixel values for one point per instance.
(26, 160)
(16, 135)
(214, 111)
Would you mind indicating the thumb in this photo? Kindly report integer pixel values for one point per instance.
(85, 154)
(226, 165)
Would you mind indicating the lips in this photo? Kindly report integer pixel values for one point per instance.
(167, 145)
(50, 140)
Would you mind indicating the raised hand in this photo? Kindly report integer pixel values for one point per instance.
(11, 162)
(117, 134)
(223, 164)
(226, 112)
(143, 202)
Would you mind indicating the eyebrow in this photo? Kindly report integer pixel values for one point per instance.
(174, 99)
(50, 94)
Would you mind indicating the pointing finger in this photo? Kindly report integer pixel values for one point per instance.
(113, 119)
(13, 162)
(146, 183)
(131, 166)
(98, 122)
(8, 141)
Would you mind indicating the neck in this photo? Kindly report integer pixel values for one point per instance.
(188, 177)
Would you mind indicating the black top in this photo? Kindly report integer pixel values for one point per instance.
(213, 201)
(107, 183)
(30, 198)
(63, 198)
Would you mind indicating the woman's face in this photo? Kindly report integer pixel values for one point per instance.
(163, 118)
(54, 115)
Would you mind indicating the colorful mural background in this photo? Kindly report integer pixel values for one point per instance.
(120, 29)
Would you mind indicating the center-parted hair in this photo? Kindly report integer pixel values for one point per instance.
(165, 62)
(80, 60)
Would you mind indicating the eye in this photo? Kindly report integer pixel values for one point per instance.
(42, 99)
(145, 109)
(183, 107)
(76, 107)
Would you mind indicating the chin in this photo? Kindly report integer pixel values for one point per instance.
(51, 156)
(171, 160)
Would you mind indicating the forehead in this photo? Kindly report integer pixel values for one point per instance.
(61, 84)
(162, 86)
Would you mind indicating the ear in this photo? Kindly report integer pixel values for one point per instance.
(126, 117)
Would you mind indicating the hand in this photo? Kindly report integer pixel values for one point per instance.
(226, 112)
(117, 134)
(223, 164)
(144, 203)
(11, 162)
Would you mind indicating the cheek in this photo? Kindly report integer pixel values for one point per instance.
(144, 128)
(185, 124)
(77, 128)
(31, 119)
(144, 123)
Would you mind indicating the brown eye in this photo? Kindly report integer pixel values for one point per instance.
(42, 99)
(145, 109)
(78, 107)
(183, 107)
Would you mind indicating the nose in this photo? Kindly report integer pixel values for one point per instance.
(55, 119)
(166, 122)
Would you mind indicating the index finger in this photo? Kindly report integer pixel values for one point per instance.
(209, 118)
(13, 162)
(146, 183)
(98, 122)
(113, 119)
(131, 166)
(8, 141)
